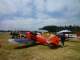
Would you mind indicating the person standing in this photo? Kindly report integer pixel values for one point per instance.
(62, 36)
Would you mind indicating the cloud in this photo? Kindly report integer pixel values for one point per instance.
(18, 23)
(63, 8)
(33, 14)
(27, 24)
(7, 7)
(18, 8)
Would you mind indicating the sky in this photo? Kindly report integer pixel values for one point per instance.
(34, 14)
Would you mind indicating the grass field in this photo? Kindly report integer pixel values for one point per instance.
(71, 51)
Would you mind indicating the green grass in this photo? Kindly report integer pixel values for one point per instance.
(71, 51)
(4, 35)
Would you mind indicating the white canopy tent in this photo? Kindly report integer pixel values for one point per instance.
(64, 31)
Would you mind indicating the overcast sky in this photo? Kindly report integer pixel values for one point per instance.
(33, 14)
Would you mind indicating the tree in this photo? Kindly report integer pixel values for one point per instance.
(53, 28)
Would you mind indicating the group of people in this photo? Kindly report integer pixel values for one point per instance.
(49, 39)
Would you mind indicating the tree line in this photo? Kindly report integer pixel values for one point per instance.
(53, 28)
